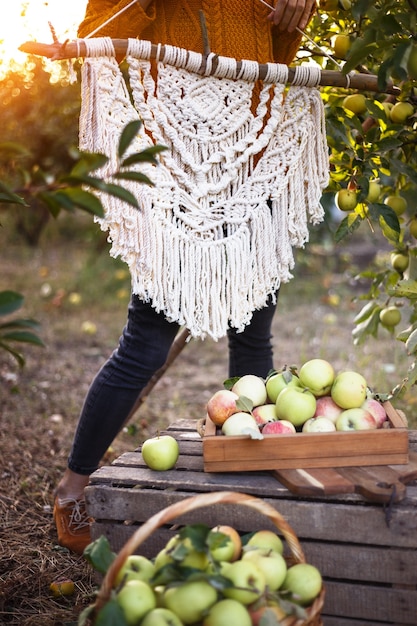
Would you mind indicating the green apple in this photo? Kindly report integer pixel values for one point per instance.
(356, 103)
(304, 582)
(252, 387)
(400, 261)
(400, 112)
(224, 543)
(136, 598)
(296, 405)
(160, 453)
(390, 316)
(161, 617)
(238, 423)
(248, 580)
(341, 45)
(346, 199)
(136, 567)
(397, 203)
(266, 541)
(181, 551)
(413, 227)
(266, 612)
(374, 191)
(190, 600)
(278, 381)
(318, 376)
(222, 405)
(273, 565)
(349, 390)
(227, 612)
(356, 419)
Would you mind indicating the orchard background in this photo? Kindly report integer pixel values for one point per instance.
(63, 299)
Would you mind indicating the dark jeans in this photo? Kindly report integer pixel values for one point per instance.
(142, 350)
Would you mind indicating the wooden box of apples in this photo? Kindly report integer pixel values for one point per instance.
(310, 417)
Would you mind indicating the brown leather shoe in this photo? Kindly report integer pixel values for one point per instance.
(72, 524)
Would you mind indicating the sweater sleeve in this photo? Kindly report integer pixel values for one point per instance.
(131, 23)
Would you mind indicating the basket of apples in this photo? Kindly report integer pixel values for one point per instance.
(209, 576)
(346, 423)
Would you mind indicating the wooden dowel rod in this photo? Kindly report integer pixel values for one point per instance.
(329, 78)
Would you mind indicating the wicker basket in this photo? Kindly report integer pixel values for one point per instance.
(168, 514)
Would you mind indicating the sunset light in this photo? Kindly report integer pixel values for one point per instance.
(28, 21)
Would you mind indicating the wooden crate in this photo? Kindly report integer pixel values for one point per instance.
(367, 552)
(336, 449)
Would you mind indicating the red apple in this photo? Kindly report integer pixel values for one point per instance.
(279, 427)
(265, 413)
(222, 405)
(327, 407)
(376, 409)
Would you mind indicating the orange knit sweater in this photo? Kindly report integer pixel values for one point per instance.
(236, 28)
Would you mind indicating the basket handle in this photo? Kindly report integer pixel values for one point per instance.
(185, 506)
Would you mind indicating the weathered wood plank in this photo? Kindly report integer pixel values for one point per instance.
(309, 519)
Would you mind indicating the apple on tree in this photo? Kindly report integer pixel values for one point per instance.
(160, 453)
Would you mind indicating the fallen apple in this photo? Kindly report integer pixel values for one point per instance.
(252, 387)
(355, 419)
(64, 587)
(349, 390)
(222, 405)
(160, 453)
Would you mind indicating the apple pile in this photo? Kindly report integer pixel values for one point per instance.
(214, 577)
(311, 399)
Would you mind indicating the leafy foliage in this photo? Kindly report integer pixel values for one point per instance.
(374, 145)
(15, 330)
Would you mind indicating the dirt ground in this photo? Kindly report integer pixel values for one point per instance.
(39, 404)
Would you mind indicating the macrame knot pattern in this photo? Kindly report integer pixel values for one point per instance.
(234, 193)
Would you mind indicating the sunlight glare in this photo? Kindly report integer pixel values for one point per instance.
(28, 21)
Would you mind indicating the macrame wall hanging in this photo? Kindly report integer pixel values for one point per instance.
(234, 193)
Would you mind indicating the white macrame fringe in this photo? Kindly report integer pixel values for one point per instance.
(233, 195)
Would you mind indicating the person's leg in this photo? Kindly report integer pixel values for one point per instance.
(143, 348)
(251, 351)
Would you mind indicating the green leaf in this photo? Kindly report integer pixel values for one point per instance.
(22, 337)
(122, 194)
(10, 301)
(88, 162)
(197, 534)
(14, 353)
(347, 226)
(244, 404)
(411, 343)
(8, 196)
(99, 554)
(145, 156)
(135, 176)
(85, 615)
(404, 289)
(129, 132)
(110, 615)
(365, 312)
(73, 197)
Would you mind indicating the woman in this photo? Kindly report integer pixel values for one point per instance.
(242, 30)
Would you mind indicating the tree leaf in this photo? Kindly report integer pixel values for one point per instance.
(129, 132)
(10, 301)
(99, 554)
